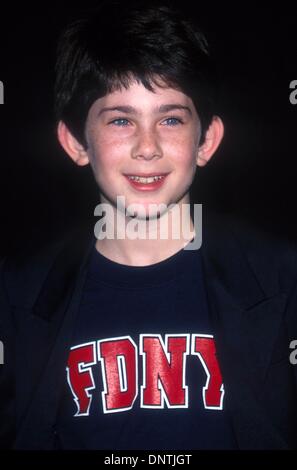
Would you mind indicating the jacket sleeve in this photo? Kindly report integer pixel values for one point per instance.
(7, 369)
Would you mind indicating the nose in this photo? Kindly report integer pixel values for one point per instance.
(147, 146)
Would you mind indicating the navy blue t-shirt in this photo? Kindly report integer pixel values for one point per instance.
(142, 371)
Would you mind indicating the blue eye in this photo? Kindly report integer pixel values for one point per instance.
(120, 122)
(173, 121)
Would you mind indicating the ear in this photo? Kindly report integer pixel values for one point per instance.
(213, 138)
(72, 147)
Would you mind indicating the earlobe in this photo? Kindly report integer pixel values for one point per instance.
(213, 138)
(70, 144)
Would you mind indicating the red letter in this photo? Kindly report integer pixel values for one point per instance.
(164, 371)
(203, 346)
(118, 358)
(79, 376)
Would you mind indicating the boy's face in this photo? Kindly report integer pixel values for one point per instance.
(134, 135)
(145, 133)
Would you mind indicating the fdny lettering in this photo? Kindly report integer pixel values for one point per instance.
(164, 369)
(213, 392)
(80, 376)
(164, 372)
(118, 358)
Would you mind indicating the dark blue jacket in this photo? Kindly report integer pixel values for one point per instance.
(252, 293)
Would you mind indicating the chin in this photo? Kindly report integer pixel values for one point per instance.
(145, 214)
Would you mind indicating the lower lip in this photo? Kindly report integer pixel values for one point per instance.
(147, 186)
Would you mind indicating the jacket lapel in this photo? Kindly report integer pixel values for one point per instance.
(44, 342)
(246, 321)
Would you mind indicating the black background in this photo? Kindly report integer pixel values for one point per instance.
(252, 175)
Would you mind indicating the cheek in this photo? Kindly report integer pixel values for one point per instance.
(105, 153)
(183, 152)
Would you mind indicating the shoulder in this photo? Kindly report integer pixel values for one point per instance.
(24, 271)
(271, 257)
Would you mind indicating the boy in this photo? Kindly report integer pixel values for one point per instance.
(125, 342)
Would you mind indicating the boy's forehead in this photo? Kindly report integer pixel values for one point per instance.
(140, 98)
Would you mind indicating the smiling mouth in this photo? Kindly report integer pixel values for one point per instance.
(146, 181)
(147, 178)
(150, 179)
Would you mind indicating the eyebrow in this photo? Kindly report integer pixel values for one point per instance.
(164, 108)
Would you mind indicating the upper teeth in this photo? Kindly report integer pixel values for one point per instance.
(141, 179)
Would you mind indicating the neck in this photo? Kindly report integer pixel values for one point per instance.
(140, 242)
